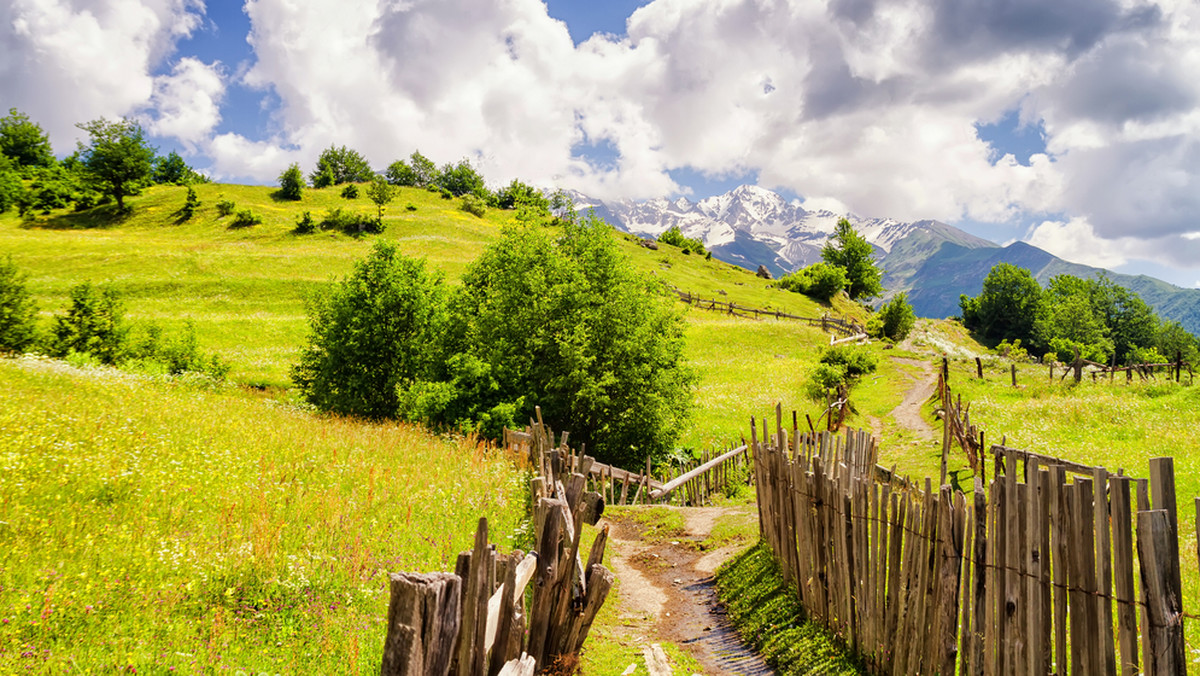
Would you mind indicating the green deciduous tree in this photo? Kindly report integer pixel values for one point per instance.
(291, 182)
(371, 335)
(399, 173)
(340, 165)
(117, 157)
(896, 318)
(1007, 307)
(850, 251)
(18, 312)
(462, 179)
(424, 169)
(171, 169)
(674, 236)
(23, 141)
(819, 280)
(381, 193)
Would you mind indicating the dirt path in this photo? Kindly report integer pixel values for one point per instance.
(667, 592)
(908, 413)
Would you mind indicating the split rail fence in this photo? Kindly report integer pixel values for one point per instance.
(479, 620)
(1052, 567)
(826, 323)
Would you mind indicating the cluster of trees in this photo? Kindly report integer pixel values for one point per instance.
(116, 162)
(559, 321)
(674, 236)
(1104, 322)
(92, 329)
(847, 263)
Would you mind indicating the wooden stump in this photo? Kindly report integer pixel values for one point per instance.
(423, 623)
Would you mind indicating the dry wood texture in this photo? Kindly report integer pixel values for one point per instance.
(1033, 573)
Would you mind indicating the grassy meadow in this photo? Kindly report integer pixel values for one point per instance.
(176, 527)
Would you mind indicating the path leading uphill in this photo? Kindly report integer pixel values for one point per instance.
(908, 413)
(667, 591)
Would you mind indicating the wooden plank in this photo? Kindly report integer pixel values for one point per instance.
(1143, 505)
(1047, 608)
(979, 600)
(423, 624)
(1104, 594)
(1162, 492)
(1155, 538)
(1033, 571)
(896, 516)
(995, 603)
(946, 622)
(1122, 541)
(1012, 604)
(1088, 638)
(1059, 563)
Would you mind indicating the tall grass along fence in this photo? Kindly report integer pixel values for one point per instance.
(825, 322)
(479, 620)
(1052, 567)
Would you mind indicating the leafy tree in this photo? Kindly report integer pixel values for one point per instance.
(474, 205)
(11, 188)
(1007, 307)
(350, 192)
(839, 366)
(462, 179)
(1131, 323)
(172, 170)
(819, 280)
(340, 165)
(896, 318)
(371, 334)
(23, 141)
(850, 251)
(18, 312)
(117, 156)
(1171, 339)
(424, 169)
(565, 323)
(517, 194)
(381, 193)
(399, 173)
(291, 182)
(92, 324)
(674, 237)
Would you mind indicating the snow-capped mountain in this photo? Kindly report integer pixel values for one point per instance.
(749, 226)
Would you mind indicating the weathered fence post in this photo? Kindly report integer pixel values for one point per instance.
(423, 623)
(979, 367)
(1013, 367)
(1165, 654)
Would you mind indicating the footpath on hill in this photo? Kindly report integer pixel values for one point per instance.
(666, 590)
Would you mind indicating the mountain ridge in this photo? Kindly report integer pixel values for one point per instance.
(932, 261)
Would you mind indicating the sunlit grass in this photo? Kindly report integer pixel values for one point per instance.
(171, 526)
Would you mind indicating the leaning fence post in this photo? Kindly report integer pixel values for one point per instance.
(1165, 655)
(423, 623)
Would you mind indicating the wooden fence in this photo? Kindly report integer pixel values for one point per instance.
(692, 483)
(826, 323)
(1052, 567)
(476, 621)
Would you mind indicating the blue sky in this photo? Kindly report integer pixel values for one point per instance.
(1073, 125)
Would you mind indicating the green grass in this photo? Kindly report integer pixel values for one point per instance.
(763, 609)
(164, 525)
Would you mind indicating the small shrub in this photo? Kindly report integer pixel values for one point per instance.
(18, 312)
(897, 318)
(411, 207)
(245, 218)
(305, 225)
(92, 324)
(226, 207)
(350, 192)
(1012, 351)
(190, 204)
(674, 237)
(474, 205)
(446, 194)
(291, 182)
(350, 223)
(821, 281)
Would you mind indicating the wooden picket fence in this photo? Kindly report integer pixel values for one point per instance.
(692, 483)
(825, 322)
(1037, 572)
(479, 620)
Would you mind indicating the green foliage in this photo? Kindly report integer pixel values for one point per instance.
(840, 365)
(424, 170)
(896, 318)
(92, 324)
(245, 218)
(516, 194)
(350, 222)
(1008, 306)
(173, 170)
(11, 188)
(305, 225)
(190, 204)
(24, 142)
(819, 280)
(381, 193)
(350, 192)
(525, 331)
(474, 205)
(225, 207)
(341, 165)
(674, 237)
(462, 179)
(18, 311)
(399, 173)
(1171, 339)
(117, 156)
(848, 250)
(371, 334)
(291, 182)
(148, 350)
(1012, 351)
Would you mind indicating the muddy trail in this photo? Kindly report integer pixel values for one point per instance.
(667, 591)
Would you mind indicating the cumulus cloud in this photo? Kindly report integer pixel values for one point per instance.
(187, 102)
(68, 61)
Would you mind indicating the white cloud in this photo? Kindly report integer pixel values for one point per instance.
(187, 101)
(69, 61)
(1075, 240)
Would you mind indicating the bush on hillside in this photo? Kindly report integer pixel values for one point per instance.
(92, 324)
(674, 237)
(245, 218)
(350, 192)
(350, 222)
(291, 182)
(305, 225)
(894, 320)
(18, 312)
(341, 165)
(148, 350)
(370, 334)
(190, 204)
(821, 281)
(474, 205)
(225, 207)
(838, 366)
